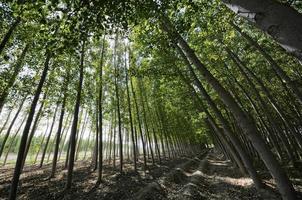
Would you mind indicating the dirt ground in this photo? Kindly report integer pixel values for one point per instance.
(207, 176)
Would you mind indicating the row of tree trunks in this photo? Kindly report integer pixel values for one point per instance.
(245, 122)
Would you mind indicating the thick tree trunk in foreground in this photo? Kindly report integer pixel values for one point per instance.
(75, 122)
(280, 21)
(18, 166)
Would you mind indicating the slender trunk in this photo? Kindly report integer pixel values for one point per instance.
(67, 153)
(73, 132)
(96, 145)
(78, 149)
(58, 134)
(10, 127)
(88, 143)
(64, 140)
(49, 135)
(114, 139)
(226, 144)
(145, 120)
(6, 121)
(20, 157)
(100, 171)
(110, 137)
(139, 124)
(130, 115)
(12, 79)
(7, 36)
(42, 141)
(13, 140)
(34, 127)
(116, 74)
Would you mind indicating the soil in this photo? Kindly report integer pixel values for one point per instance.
(207, 176)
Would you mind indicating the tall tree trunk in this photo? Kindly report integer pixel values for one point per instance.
(116, 74)
(42, 141)
(130, 113)
(12, 79)
(49, 135)
(20, 157)
(111, 137)
(248, 126)
(96, 145)
(114, 140)
(88, 143)
(34, 127)
(64, 140)
(7, 36)
(13, 140)
(58, 134)
(73, 132)
(78, 149)
(281, 22)
(100, 171)
(11, 126)
(7, 119)
(145, 120)
(139, 124)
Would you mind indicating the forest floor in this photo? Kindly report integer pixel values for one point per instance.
(207, 176)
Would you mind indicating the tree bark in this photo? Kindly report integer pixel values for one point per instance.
(281, 22)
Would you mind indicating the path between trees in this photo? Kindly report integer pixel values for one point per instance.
(207, 176)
